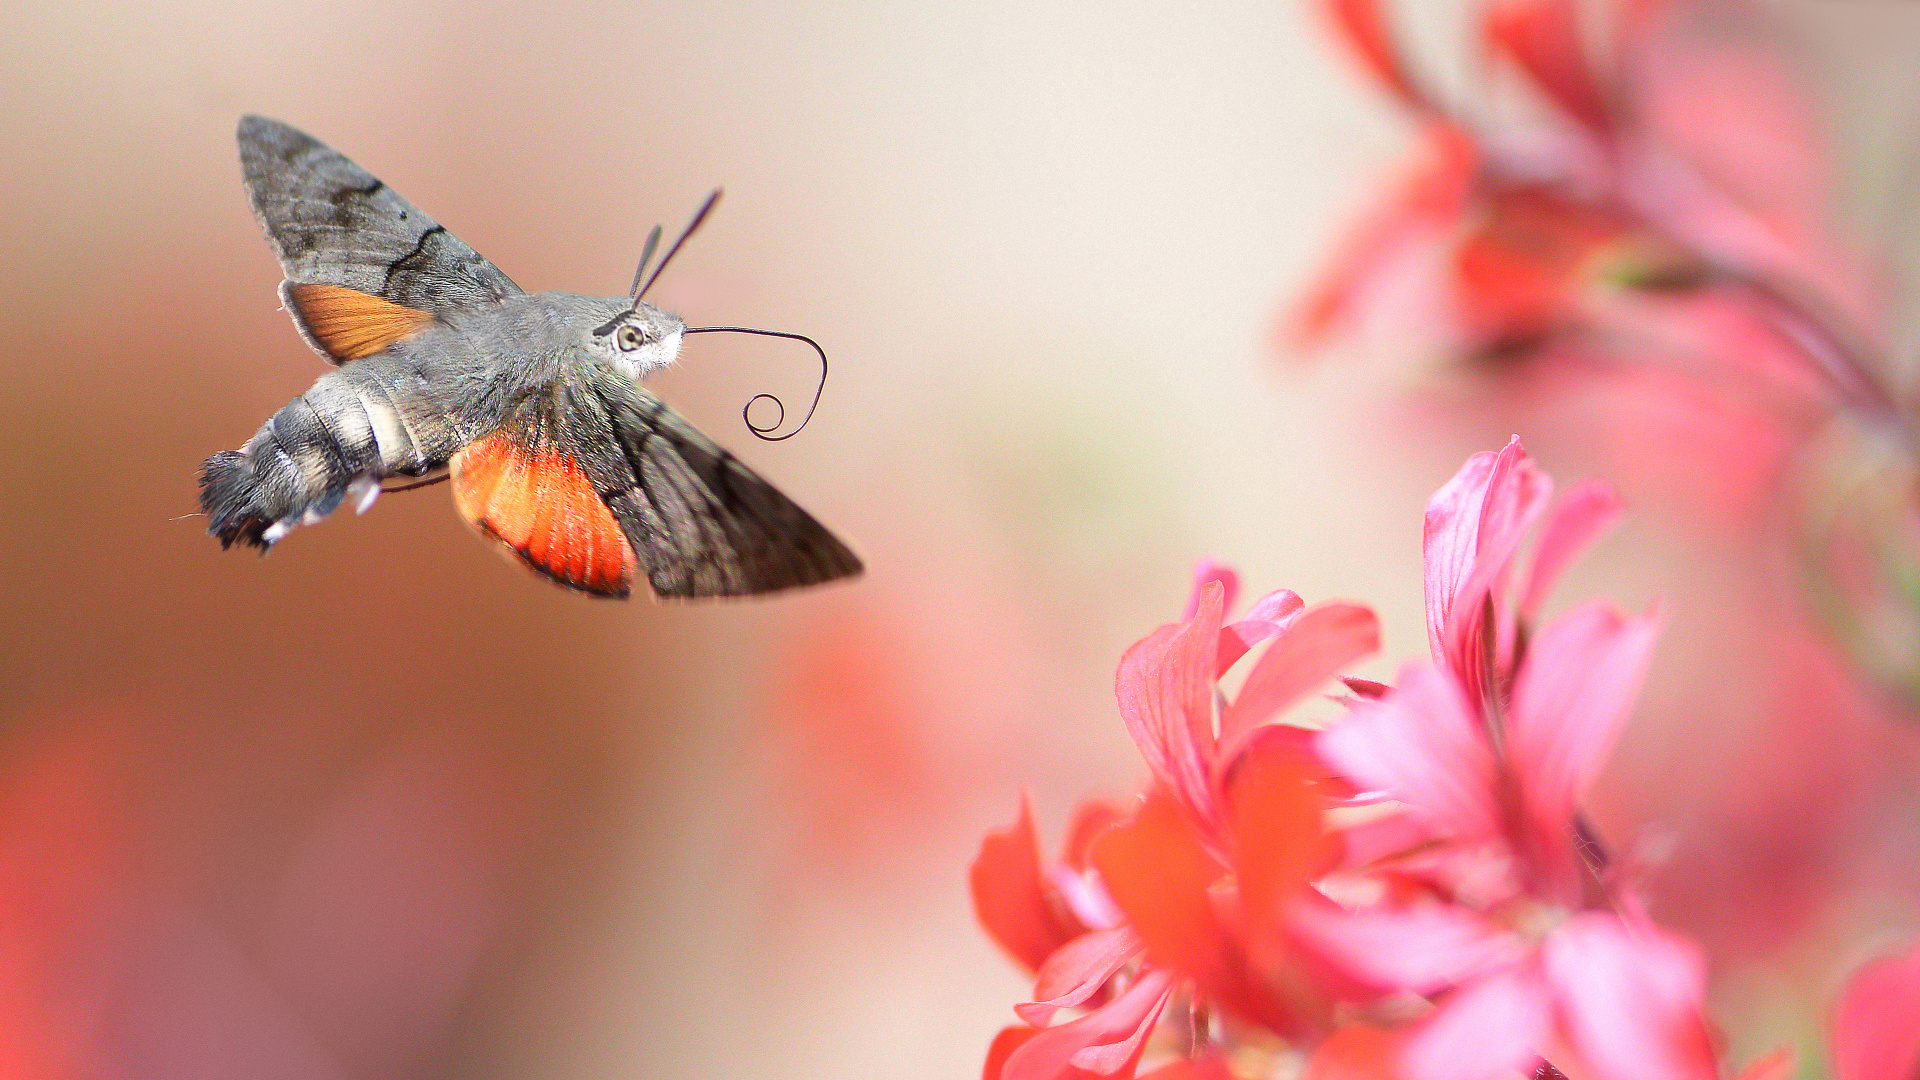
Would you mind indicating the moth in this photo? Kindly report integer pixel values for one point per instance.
(530, 401)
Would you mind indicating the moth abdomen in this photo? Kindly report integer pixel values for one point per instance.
(228, 491)
(295, 470)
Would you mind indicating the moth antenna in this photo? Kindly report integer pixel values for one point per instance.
(747, 411)
(705, 209)
(646, 256)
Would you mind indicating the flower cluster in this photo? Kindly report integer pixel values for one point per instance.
(1412, 891)
(1656, 229)
(1661, 163)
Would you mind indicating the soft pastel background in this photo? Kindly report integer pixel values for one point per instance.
(382, 805)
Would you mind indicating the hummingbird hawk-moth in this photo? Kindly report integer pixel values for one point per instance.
(530, 401)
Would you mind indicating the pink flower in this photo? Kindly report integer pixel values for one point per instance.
(1492, 750)
(1538, 959)
(1876, 1026)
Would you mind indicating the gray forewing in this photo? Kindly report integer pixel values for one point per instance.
(701, 522)
(333, 223)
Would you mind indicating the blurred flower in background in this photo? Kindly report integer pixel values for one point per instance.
(1654, 209)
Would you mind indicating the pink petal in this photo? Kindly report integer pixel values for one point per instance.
(1277, 606)
(1422, 204)
(1587, 510)
(1422, 744)
(1313, 649)
(1494, 1027)
(1517, 493)
(1090, 818)
(1208, 570)
(1381, 838)
(1543, 38)
(1102, 1041)
(1474, 525)
(1755, 187)
(1078, 883)
(1421, 949)
(1010, 896)
(1570, 700)
(1161, 873)
(1268, 617)
(1086, 896)
(1109, 1059)
(1003, 1046)
(1364, 25)
(1077, 970)
(1630, 999)
(1449, 541)
(1876, 1026)
(1165, 691)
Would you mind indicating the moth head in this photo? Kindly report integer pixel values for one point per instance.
(640, 340)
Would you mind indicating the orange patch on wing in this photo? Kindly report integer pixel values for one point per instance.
(351, 324)
(540, 505)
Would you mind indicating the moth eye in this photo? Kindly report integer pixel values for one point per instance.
(630, 338)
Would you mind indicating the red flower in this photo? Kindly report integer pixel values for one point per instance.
(1194, 889)
(1168, 690)
(1019, 900)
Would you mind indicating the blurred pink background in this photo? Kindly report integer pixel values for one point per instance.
(382, 805)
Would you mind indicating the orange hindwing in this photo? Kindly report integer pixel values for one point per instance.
(539, 504)
(348, 323)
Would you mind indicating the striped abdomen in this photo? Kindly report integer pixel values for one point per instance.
(369, 420)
